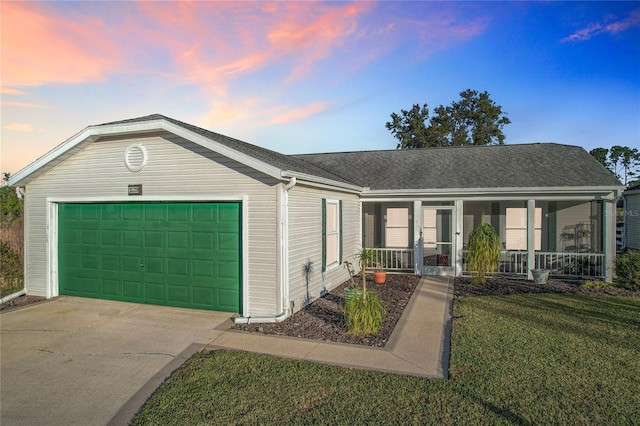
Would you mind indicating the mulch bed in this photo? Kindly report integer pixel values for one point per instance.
(323, 319)
(21, 301)
(495, 286)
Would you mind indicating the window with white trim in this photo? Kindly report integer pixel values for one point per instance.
(331, 233)
(397, 227)
(516, 228)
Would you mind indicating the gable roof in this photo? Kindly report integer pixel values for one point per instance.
(272, 163)
(539, 165)
(498, 167)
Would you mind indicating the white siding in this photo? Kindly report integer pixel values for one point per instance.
(305, 241)
(632, 221)
(176, 168)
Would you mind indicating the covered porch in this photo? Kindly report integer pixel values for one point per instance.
(571, 236)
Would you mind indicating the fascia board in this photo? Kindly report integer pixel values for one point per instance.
(498, 191)
(95, 132)
(322, 181)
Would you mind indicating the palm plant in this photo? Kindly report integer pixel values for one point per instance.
(364, 257)
(363, 310)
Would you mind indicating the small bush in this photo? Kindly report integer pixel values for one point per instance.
(595, 284)
(11, 273)
(364, 314)
(628, 270)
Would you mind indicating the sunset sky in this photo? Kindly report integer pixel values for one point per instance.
(300, 77)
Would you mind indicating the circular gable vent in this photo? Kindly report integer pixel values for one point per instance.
(135, 157)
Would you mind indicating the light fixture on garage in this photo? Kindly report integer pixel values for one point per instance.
(135, 157)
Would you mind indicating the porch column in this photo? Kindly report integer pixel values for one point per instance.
(417, 234)
(531, 237)
(608, 237)
(458, 241)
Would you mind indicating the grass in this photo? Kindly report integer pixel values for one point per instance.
(519, 359)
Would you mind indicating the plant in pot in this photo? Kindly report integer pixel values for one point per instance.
(379, 275)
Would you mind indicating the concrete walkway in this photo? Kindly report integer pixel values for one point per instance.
(419, 345)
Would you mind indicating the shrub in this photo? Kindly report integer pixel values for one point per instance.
(484, 252)
(364, 311)
(11, 274)
(628, 270)
(595, 284)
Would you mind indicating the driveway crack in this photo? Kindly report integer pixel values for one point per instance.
(103, 353)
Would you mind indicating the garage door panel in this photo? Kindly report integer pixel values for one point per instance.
(112, 287)
(91, 286)
(178, 240)
(132, 290)
(154, 293)
(177, 254)
(227, 298)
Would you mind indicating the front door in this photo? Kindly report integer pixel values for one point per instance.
(438, 251)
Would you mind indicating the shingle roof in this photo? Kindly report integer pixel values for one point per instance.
(276, 159)
(534, 165)
(496, 166)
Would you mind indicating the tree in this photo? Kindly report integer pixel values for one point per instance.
(10, 205)
(622, 161)
(601, 154)
(625, 161)
(474, 120)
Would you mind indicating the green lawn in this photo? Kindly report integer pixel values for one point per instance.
(523, 359)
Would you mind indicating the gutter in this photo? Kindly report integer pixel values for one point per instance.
(287, 308)
(12, 296)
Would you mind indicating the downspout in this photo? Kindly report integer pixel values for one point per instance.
(12, 296)
(284, 246)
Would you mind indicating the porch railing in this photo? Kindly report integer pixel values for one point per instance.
(392, 259)
(564, 264)
(572, 264)
(511, 262)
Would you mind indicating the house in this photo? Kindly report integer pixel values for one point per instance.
(631, 206)
(154, 210)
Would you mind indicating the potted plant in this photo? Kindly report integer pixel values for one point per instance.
(379, 275)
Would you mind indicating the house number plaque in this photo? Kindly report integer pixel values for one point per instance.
(135, 189)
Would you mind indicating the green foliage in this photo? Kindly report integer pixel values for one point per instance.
(10, 205)
(627, 267)
(364, 312)
(364, 258)
(595, 284)
(474, 120)
(11, 272)
(622, 161)
(484, 252)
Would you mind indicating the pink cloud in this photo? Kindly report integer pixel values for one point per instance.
(40, 47)
(11, 91)
(596, 28)
(300, 113)
(19, 127)
(22, 104)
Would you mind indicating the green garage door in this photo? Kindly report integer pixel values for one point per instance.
(176, 254)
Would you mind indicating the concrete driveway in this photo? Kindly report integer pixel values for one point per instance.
(76, 361)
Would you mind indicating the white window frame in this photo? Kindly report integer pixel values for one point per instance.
(521, 228)
(333, 234)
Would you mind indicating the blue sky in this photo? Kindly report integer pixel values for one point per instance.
(302, 77)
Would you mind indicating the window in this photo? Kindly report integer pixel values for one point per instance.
(331, 233)
(516, 228)
(397, 229)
